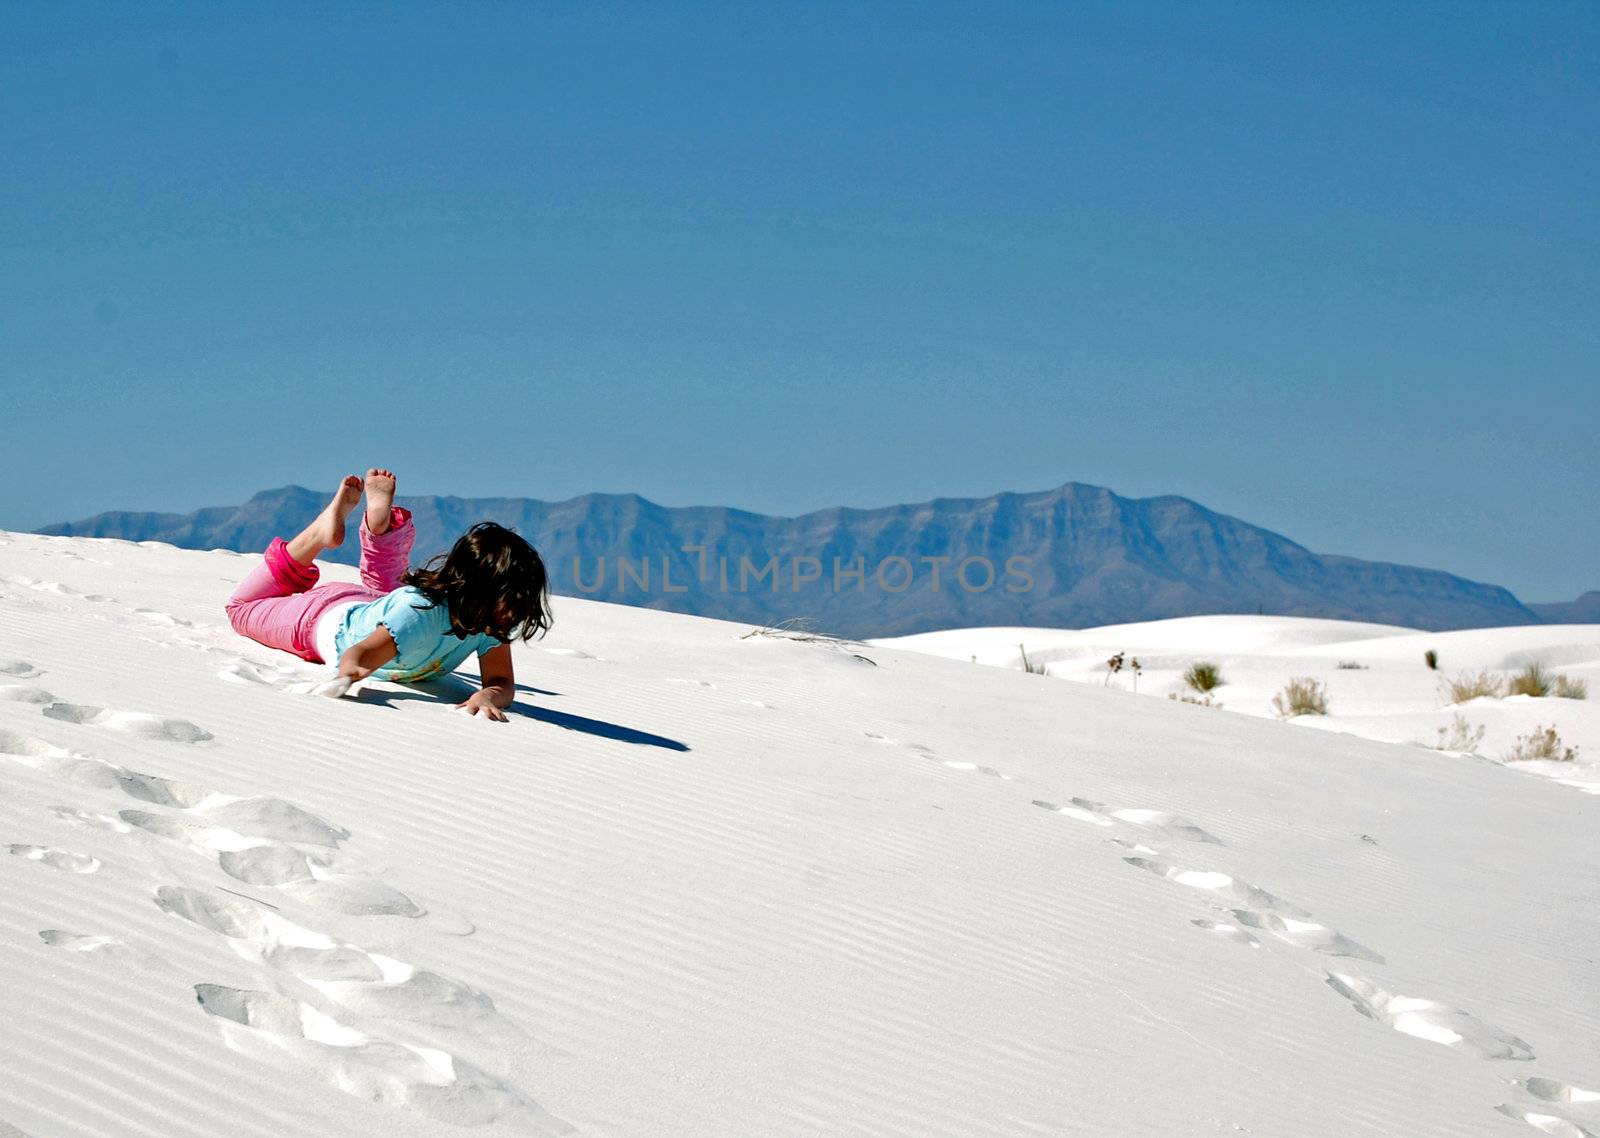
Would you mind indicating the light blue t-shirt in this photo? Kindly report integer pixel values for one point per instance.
(421, 631)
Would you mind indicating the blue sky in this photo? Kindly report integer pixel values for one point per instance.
(1328, 267)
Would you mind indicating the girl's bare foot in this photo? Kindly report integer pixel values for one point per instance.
(327, 531)
(380, 499)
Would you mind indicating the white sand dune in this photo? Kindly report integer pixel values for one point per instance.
(713, 885)
(1378, 683)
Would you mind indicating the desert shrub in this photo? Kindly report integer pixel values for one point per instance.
(1569, 688)
(1032, 667)
(1123, 660)
(1350, 666)
(1460, 736)
(1431, 658)
(1203, 676)
(1206, 700)
(1301, 696)
(1474, 685)
(1541, 743)
(1533, 680)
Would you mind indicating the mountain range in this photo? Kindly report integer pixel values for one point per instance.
(1075, 556)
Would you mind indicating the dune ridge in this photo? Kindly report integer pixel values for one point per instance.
(715, 885)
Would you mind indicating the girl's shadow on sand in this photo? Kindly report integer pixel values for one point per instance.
(452, 691)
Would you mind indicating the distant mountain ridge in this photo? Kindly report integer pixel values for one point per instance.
(1584, 610)
(1072, 557)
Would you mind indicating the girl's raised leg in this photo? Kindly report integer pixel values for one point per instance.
(273, 602)
(386, 534)
(327, 531)
(380, 499)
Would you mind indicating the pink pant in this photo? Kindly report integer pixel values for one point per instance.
(279, 602)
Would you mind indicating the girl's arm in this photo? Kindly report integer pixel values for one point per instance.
(361, 660)
(499, 684)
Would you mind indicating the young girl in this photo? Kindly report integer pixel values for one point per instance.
(397, 625)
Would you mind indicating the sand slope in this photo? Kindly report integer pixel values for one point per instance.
(1377, 681)
(719, 886)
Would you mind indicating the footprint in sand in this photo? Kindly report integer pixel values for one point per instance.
(155, 616)
(1428, 1020)
(137, 723)
(238, 671)
(1227, 930)
(425, 1079)
(260, 861)
(101, 946)
(889, 741)
(1157, 821)
(1221, 884)
(57, 859)
(1305, 934)
(572, 653)
(24, 693)
(1546, 1123)
(959, 765)
(89, 818)
(76, 942)
(41, 755)
(40, 586)
(18, 669)
(925, 752)
(259, 816)
(350, 976)
(1554, 1090)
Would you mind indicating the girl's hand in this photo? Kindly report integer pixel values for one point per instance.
(483, 701)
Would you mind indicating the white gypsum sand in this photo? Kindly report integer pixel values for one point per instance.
(1384, 691)
(714, 885)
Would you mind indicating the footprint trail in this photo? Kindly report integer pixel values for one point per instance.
(138, 723)
(1428, 1020)
(425, 1079)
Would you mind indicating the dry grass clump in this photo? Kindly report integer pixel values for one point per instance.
(1474, 685)
(799, 628)
(1301, 696)
(1460, 736)
(1541, 743)
(1203, 676)
(1533, 680)
(1569, 688)
(1350, 666)
(1032, 667)
(1431, 658)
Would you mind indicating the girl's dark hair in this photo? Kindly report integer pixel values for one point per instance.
(491, 581)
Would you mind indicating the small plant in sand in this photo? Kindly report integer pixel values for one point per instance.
(1474, 685)
(1032, 667)
(1206, 700)
(1120, 661)
(1431, 658)
(1460, 736)
(800, 629)
(1541, 743)
(1350, 666)
(1203, 676)
(1301, 696)
(1569, 688)
(1533, 680)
